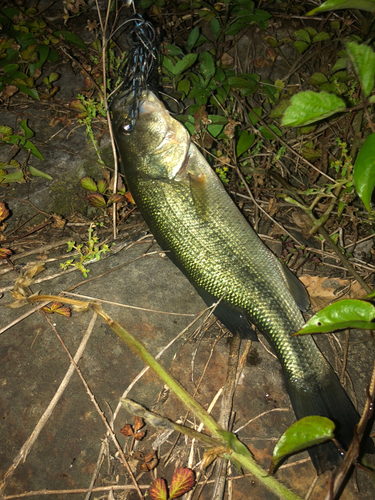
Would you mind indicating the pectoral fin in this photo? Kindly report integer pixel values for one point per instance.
(198, 189)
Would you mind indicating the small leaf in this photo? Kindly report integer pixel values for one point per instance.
(73, 39)
(300, 46)
(182, 482)
(308, 431)
(38, 173)
(320, 37)
(346, 313)
(185, 63)
(5, 253)
(309, 107)
(88, 183)
(207, 67)
(192, 39)
(245, 142)
(4, 212)
(102, 185)
(304, 35)
(96, 200)
(364, 171)
(215, 27)
(130, 198)
(340, 64)
(26, 130)
(158, 489)
(30, 92)
(363, 59)
(317, 79)
(116, 198)
(270, 134)
(33, 149)
(127, 430)
(236, 82)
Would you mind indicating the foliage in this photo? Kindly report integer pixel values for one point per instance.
(102, 194)
(93, 250)
(306, 432)
(182, 482)
(19, 141)
(27, 43)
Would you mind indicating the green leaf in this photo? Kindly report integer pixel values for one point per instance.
(13, 177)
(236, 82)
(267, 134)
(185, 63)
(215, 28)
(309, 431)
(207, 66)
(26, 131)
(309, 107)
(245, 141)
(300, 46)
(173, 50)
(33, 149)
(340, 64)
(89, 184)
(97, 200)
(364, 171)
(363, 59)
(367, 5)
(73, 39)
(346, 313)
(317, 79)
(53, 55)
(102, 185)
(38, 173)
(192, 39)
(30, 92)
(184, 86)
(320, 37)
(304, 35)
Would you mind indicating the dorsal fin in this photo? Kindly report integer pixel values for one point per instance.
(297, 289)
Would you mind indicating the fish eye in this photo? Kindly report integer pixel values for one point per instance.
(126, 128)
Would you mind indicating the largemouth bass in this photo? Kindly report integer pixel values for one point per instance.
(193, 219)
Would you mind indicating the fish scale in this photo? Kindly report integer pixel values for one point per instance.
(203, 232)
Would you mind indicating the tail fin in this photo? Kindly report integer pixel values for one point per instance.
(329, 401)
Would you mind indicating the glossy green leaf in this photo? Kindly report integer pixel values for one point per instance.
(27, 132)
(13, 177)
(367, 5)
(184, 86)
(267, 134)
(73, 39)
(309, 107)
(38, 173)
(321, 37)
(33, 149)
(363, 59)
(364, 171)
(192, 39)
(346, 313)
(30, 92)
(304, 35)
(245, 141)
(317, 79)
(89, 184)
(102, 185)
(309, 431)
(207, 67)
(215, 28)
(300, 46)
(340, 64)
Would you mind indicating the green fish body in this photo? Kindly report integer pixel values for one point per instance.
(206, 236)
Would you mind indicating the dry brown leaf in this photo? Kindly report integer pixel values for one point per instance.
(324, 291)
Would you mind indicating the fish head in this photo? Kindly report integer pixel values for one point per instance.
(157, 145)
